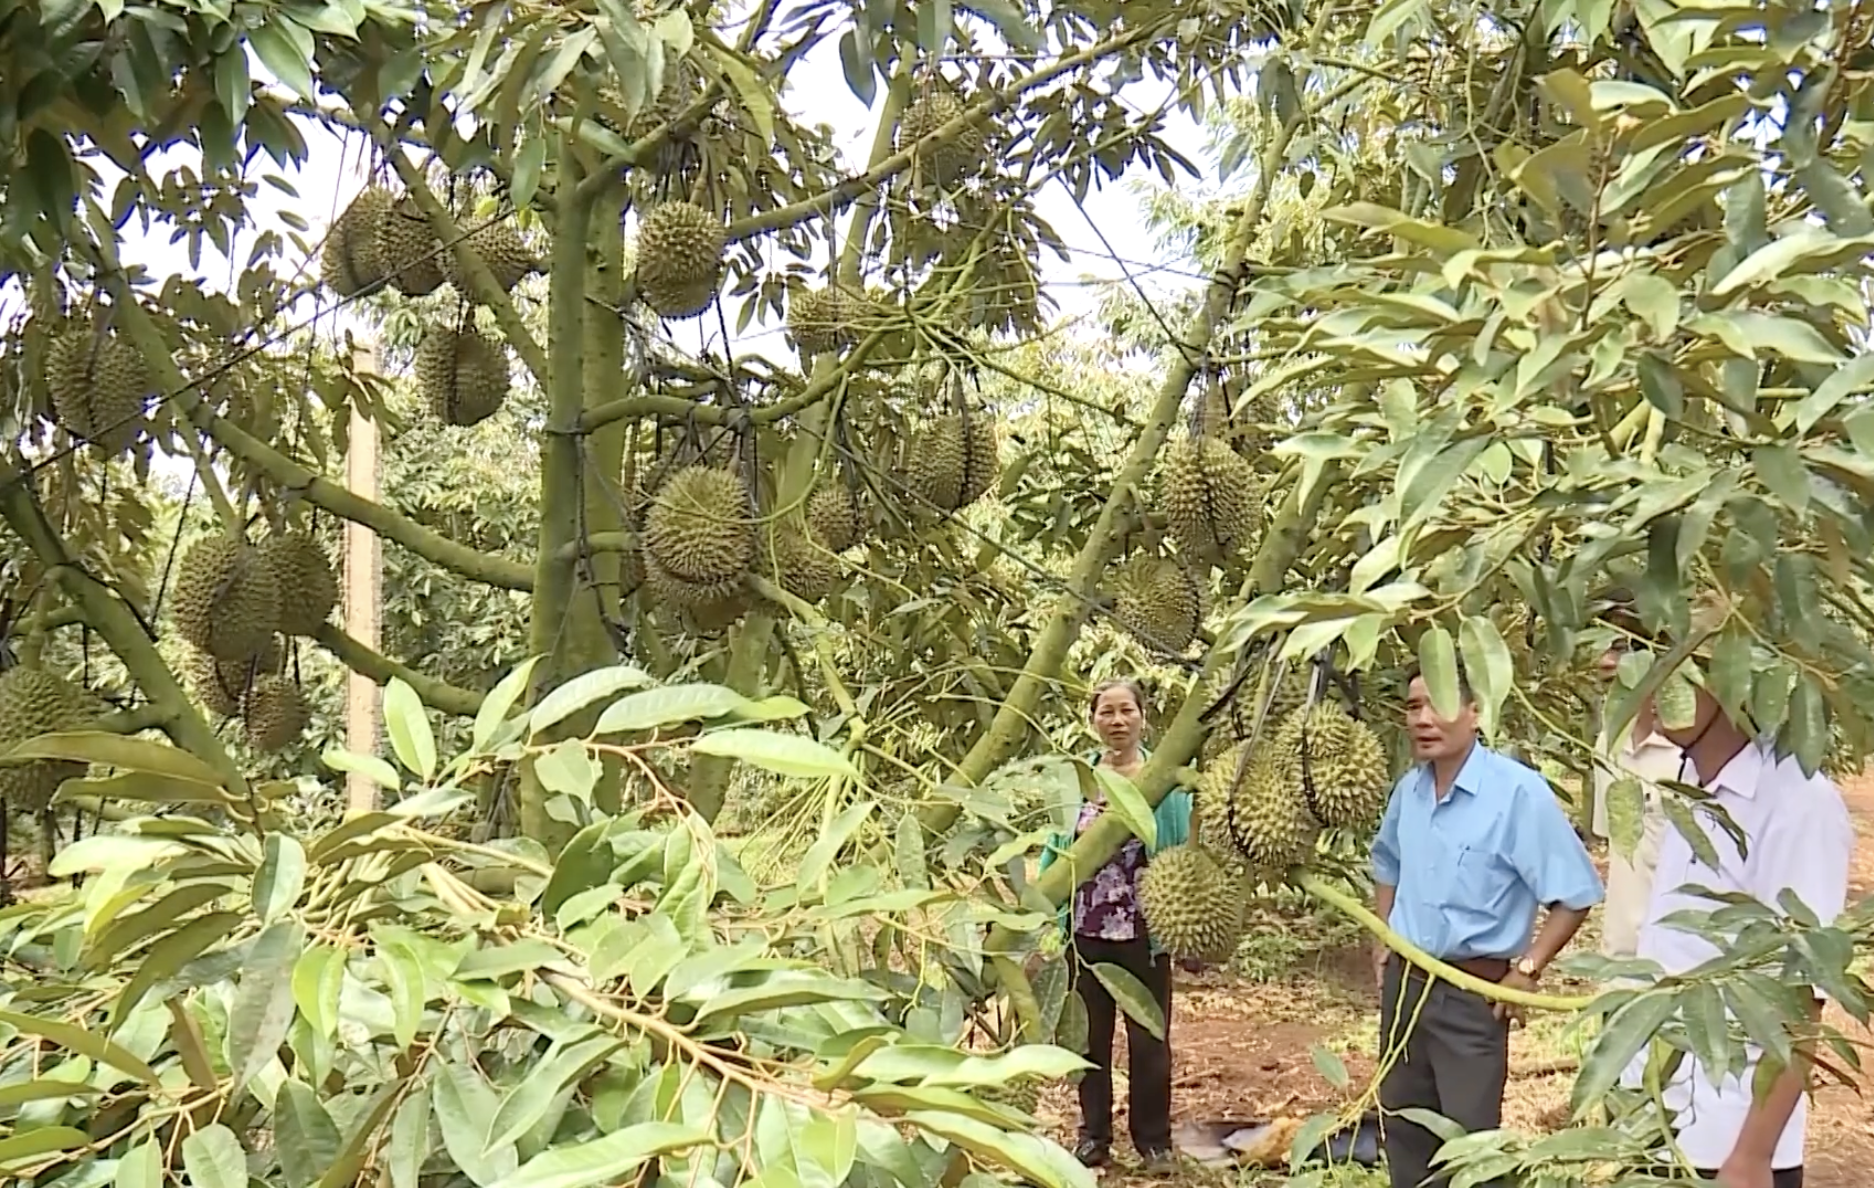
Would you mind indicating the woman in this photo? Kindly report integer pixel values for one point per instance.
(1107, 928)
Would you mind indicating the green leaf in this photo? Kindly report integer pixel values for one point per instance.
(308, 1140)
(42, 1140)
(913, 869)
(1128, 804)
(1842, 205)
(1132, 997)
(1036, 1160)
(369, 766)
(142, 1167)
(146, 788)
(1438, 664)
(24, 1091)
(753, 96)
(607, 1159)
(667, 706)
(213, 1158)
(80, 1041)
(1626, 815)
(783, 754)
(409, 1140)
(1487, 662)
(408, 727)
(782, 988)
(1331, 1067)
(1846, 380)
(582, 691)
(166, 957)
(262, 1011)
(530, 1099)
(281, 877)
(465, 1113)
(112, 851)
(318, 982)
(509, 689)
(528, 164)
(1783, 474)
(524, 955)
(1626, 1032)
(114, 750)
(285, 50)
(819, 856)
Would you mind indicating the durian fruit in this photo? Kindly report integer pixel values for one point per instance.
(1194, 903)
(1267, 818)
(1210, 498)
(501, 248)
(222, 684)
(819, 321)
(275, 713)
(1158, 602)
(1022, 1094)
(698, 528)
(226, 598)
(462, 374)
(1247, 712)
(954, 461)
(307, 583)
(35, 702)
(1211, 810)
(350, 262)
(680, 256)
(98, 384)
(711, 606)
(801, 565)
(407, 249)
(941, 162)
(835, 518)
(1337, 765)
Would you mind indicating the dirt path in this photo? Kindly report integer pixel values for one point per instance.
(1244, 1050)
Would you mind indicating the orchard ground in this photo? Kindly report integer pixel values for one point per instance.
(1244, 1042)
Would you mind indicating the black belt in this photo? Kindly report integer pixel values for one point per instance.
(1489, 969)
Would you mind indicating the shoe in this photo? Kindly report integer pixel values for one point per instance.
(1091, 1152)
(1159, 1163)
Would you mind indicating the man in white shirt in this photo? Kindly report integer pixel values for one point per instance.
(1649, 757)
(1800, 839)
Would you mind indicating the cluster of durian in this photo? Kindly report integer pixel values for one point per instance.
(385, 239)
(233, 602)
(941, 162)
(1266, 801)
(98, 384)
(701, 541)
(35, 702)
(461, 374)
(680, 252)
(953, 461)
(829, 319)
(1159, 602)
(1209, 492)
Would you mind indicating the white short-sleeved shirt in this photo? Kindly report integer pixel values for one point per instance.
(1799, 838)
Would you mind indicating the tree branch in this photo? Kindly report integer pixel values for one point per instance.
(436, 694)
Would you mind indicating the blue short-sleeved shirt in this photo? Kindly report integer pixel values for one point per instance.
(1472, 870)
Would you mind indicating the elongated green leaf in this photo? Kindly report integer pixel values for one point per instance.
(784, 754)
(342, 1172)
(262, 1010)
(819, 856)
(25, 1091)
(1628, 1031)
(308, 1139)
(114, 750)
(281, 878)
(465, 1113)
(369, 766)
(1487, 662)
(85, 1043)
(42, 1140)
(318, 980)
(783, 988)
(1131, 996)
(667, 706)
(533, 1095)
(1128, 803)
(1849, 378)
(141, 1167)
(213, 1158)
(1438, 663)
(409, 1140)
(408, 727)
(509, 689)
(582, 691)
(604, 1160)
(146, 788)
(167, 957)
(1035, 1160)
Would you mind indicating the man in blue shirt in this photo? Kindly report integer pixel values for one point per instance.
(1472, 846)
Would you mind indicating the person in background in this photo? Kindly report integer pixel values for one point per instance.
(1641, 752)
(1107, 928)
(1799, 838)
(1472, 845)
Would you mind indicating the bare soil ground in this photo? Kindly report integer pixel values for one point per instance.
(1244, 1041)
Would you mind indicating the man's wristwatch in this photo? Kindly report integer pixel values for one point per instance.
(1528, 968)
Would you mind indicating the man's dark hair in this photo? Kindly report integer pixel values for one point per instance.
(1618, 608)
(1413, 673)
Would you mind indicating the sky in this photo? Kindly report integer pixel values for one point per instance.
(335, 171)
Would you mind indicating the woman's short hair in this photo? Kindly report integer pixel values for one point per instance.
(1129, 684)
